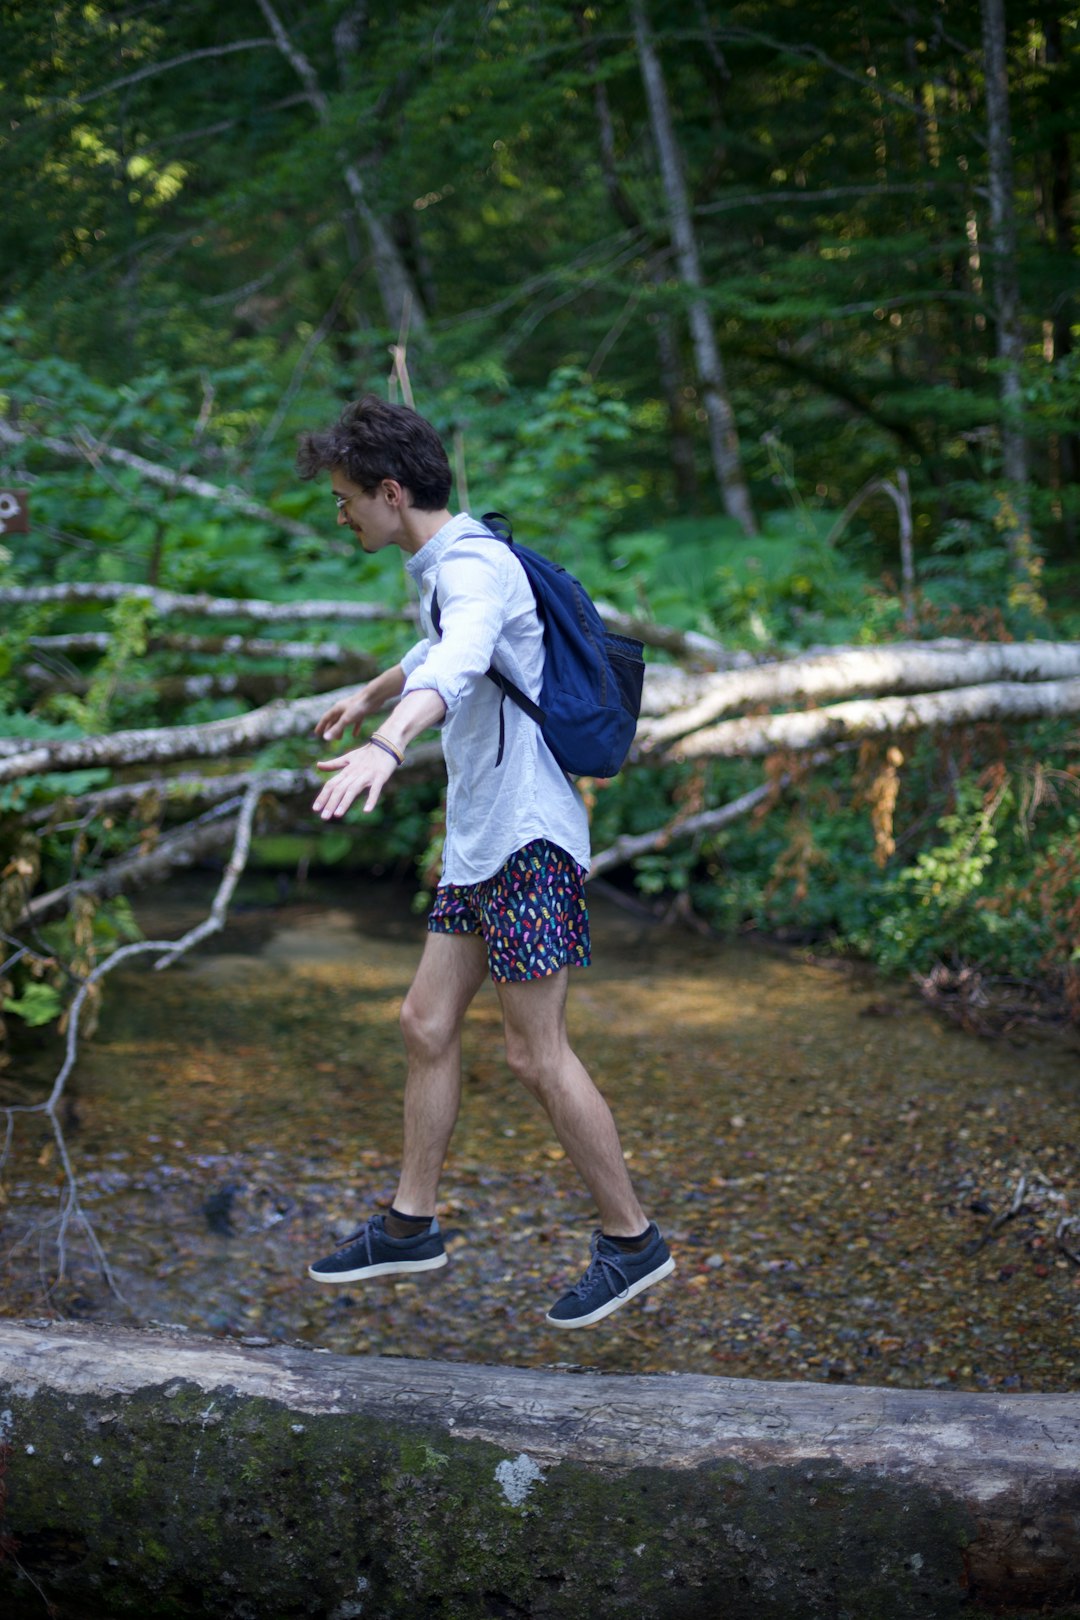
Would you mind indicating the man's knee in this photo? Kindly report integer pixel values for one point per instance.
(523, 1061)
(426, 1028)
(537, 1064)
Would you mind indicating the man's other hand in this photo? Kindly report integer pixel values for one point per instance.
(348, 714)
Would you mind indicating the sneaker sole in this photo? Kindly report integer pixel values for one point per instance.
(388, 1268)
(613, 1304)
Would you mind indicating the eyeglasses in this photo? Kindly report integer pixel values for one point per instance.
(341, 501)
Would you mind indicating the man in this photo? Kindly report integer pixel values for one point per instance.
(510, 901)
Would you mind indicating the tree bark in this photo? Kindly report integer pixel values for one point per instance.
(396, 289)
(723, 435)
(1062, 202)
(1004, 700)
(210, 607)
(684, 703)
(1008, 315)
(164, 1474)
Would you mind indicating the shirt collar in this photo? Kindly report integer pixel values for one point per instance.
(430, 554)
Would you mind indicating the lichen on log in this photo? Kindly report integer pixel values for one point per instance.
(154, 1473)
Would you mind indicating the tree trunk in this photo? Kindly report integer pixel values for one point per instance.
(1010, 340)
(667, 348)
(723, 435)
(396, 289)
(159, 1474)
(1062, 203)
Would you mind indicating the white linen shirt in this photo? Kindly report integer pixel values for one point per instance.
(488, 616)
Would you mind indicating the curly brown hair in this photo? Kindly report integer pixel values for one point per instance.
(374, 440)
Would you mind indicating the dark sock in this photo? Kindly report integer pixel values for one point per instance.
(406, 1226)
(632, 1245)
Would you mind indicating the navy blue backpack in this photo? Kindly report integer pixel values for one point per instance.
(591, 692)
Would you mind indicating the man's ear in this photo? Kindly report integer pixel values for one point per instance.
(395, 493)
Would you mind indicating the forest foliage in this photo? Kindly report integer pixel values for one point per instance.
(221, 223)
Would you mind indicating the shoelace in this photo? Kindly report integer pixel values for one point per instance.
(602, 1267)
(363, 1232)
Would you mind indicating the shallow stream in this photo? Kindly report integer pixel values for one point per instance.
(832, 1162)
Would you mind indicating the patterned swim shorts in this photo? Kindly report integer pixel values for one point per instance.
(531, 914)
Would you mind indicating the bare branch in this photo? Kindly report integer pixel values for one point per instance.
(87, 450)
(688, 644)
(210, 607)
(395, 283)
(241, 849)
(188, 787)
(209, 741)
(195, 839)
(632, 845)
(907, 667)
(765, 199)
(99, 641)
(71, 1210)
(153, 69)
(1003, 700)
(174, 690)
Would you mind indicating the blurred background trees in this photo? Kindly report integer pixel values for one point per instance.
(676, 283)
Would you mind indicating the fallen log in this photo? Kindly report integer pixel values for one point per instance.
(156, 1473)
(846, 671)
(877, 717)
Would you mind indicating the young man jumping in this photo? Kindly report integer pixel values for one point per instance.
(510, 901)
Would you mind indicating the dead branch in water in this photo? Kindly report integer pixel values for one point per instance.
(71, 1211)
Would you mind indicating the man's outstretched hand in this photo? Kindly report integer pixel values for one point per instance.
(361, 770)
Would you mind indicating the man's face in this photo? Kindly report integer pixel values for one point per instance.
(374, 516)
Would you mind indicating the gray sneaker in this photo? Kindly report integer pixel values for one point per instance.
(372, 1252)
(613, 1277)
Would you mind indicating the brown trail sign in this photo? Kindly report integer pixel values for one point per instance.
(14, 511)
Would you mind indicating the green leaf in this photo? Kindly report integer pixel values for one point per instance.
(39, 1004)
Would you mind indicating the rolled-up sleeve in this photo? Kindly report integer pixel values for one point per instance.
(472, 610)
(415, 655)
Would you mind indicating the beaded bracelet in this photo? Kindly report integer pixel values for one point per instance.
(379, 741)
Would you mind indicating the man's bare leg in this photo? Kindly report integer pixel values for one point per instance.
(539, 1053)
(451, 971)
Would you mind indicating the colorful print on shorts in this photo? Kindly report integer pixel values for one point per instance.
(531, 914)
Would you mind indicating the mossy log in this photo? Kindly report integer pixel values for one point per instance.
(157, 1474)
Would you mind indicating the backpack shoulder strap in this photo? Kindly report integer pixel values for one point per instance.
(498, 527)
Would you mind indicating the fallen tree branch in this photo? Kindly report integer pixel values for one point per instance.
(631, 845)
(238, 859)
(904, 667)
(181, 847)
(209, 741)
(71, 1209)
(227, 495)
(1000, 1219)
(186, 787)
(209, 607)
(687, 644)
(170, 691)
(99, 641)
(190, 842)
(1005, 700)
